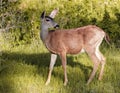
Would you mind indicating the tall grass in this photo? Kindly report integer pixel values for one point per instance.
(24, 69)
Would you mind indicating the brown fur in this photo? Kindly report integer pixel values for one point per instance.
(73, 40)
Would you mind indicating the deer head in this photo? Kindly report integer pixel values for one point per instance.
(48, 21)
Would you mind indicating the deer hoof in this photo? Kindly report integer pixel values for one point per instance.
(47, 82)
(65, 83)
(88, 82)
(100, 78)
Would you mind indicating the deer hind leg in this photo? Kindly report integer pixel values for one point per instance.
(101, 59)
(64, 62)
(97, 58)
(52, 63)
(96, 63)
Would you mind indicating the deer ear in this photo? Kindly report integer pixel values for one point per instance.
(43, 15)
(53, 13)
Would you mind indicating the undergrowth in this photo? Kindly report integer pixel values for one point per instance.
(24, 69)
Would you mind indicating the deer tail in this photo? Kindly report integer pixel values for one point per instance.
(107, 38)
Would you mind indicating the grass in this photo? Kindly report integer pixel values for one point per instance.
(24, 69)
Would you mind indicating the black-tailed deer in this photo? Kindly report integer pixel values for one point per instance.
(72, 41)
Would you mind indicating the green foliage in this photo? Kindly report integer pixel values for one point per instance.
(21, 18)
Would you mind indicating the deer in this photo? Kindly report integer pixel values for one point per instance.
(61, 42)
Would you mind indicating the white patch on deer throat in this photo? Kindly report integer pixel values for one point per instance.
(82, 50)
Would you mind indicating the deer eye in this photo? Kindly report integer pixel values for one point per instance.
(47, 20)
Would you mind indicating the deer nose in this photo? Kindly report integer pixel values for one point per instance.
(56, 26)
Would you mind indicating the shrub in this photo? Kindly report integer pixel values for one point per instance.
(22, 18)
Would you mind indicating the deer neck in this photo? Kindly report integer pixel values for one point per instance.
(44, 32)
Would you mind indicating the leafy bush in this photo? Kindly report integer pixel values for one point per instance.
(22, 18)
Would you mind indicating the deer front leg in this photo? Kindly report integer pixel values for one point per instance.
(64, 61)
(52, 63)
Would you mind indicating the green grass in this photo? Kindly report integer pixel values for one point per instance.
(24, 69)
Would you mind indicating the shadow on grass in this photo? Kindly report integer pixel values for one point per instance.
(85, 69)
(42, 61)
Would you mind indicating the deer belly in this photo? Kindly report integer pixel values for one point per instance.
(75, 51)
